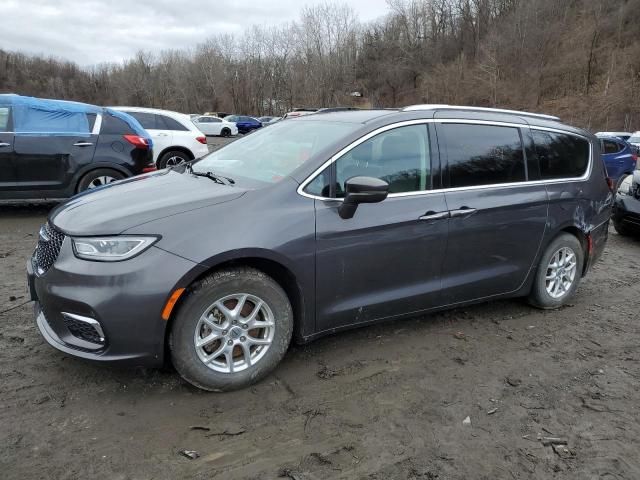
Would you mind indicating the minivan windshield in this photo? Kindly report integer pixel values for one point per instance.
(270, 154)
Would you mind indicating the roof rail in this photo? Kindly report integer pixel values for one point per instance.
(481, 109)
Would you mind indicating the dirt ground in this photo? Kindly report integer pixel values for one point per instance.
(384, 402)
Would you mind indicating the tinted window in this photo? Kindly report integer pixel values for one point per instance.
(400, 157)
(561, 155)
(483, 154)
(114, 126)
(167, 123)
(4, 119)
(610, 147)
(214, 120)
(91, 118)
(147, 120)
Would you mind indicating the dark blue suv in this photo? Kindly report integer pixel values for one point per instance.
(619, 158)
(244, 123)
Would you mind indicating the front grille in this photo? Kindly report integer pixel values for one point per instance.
(49, 243)
(83, 330)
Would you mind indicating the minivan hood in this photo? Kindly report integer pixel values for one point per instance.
(115, 208)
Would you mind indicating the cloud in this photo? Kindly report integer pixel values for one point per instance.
(92, 31)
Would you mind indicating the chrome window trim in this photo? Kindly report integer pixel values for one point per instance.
(335, 157)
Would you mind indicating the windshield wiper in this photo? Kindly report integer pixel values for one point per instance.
(222, 180)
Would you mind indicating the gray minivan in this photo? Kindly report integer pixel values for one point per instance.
(319, 224)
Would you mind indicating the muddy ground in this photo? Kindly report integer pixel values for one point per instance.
(384, 402)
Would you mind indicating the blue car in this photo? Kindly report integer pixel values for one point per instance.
(244, 123)
(619, 158)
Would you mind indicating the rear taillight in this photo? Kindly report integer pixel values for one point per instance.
(150, 168)
(202, 140)
(634, 155)
(137, 141)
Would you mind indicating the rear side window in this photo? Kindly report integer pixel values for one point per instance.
(482, 154)
(114, 126)
(561, 155)
(611, 147)
(4, 119)
(168, 123)
(147, 120)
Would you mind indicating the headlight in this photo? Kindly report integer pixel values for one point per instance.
(110, 249)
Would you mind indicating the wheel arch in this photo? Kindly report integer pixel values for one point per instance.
(177, 148)
(583, 238)
(97, 166)
(275, 269)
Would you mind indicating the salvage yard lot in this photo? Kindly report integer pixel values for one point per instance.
(383, 402)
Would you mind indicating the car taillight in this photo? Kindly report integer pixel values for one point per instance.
(150, 168)
(634, 156)
(137, 141)
(202, 140)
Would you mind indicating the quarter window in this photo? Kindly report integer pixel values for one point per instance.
(483, 154)
(561, 155)
(611, 147)
(114, 126)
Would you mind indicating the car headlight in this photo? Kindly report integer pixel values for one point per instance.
(110, 249)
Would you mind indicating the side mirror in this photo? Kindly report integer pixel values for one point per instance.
(362, 190)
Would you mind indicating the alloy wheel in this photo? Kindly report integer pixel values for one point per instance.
(561, 272)
(175, 160)
(234, 333)
(101, 181)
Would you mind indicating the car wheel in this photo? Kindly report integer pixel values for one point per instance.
(98, 178)
(172, 158)
(558, 273)
(232, 330)
(225, 132)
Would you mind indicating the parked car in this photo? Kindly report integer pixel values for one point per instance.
(244, 123)
(336, 109)
(268, 120)
(626, 210)
(52, 149)
(620, 135)
(175, 138)
(634, 140)
(210, 125)
(320, 224)
(618, 157)
(299, 112)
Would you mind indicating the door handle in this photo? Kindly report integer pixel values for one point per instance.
(162, 135)
(5, 144)
(462, 212)
(82, 144)
(431, 215)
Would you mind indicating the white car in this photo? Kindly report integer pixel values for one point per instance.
(175, 138)
(210, 125)
(634, 139)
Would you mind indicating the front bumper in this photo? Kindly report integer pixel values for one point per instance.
(626, 211)
(123, 300)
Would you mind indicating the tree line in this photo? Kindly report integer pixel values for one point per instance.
(579, 59)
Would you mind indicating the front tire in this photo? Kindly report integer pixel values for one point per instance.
(558, 274)
(232, 330)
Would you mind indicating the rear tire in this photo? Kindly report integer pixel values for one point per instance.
(173, 158)
(558, 273)
(98, 178)
(232, 330)
(225, 132)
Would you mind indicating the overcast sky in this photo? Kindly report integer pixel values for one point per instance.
(95, 31)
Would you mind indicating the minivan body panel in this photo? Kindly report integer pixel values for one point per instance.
(385, 261)
(507, 227)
